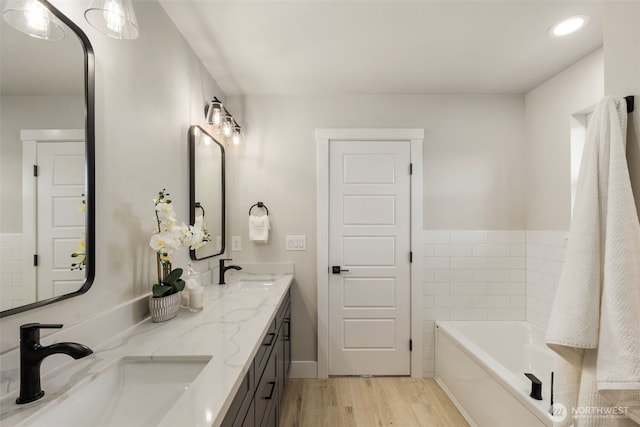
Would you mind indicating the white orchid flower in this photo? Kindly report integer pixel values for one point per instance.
(165, 212)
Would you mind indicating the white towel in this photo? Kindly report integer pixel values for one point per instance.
(595, 320)
(259, 228)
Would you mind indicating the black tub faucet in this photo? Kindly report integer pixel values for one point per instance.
(32, 354)
(536, 386)
(223, 269)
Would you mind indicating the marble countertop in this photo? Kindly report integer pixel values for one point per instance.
(229, 330)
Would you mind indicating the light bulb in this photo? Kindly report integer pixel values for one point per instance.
(214, 113)
(114, 16)
(236, 135)
(227, 125)
(36, 17)
(217, 117)
(33, 18)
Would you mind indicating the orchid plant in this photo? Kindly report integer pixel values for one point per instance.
(168, 237)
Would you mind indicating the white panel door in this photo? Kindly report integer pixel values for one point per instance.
(61, 221)
(369, 238)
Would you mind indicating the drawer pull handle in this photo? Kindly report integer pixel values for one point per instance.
(270, 343)
(273, 388)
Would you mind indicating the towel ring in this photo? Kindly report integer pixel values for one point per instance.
(199, 206)
(260, 205)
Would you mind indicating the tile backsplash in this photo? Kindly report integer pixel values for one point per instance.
(487, 275)
(545, 255)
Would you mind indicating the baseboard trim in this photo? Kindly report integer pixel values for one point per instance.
(304, 369)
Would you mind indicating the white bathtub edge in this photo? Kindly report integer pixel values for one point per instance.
(491, 367)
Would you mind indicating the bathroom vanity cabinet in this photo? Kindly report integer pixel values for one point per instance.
(242, 334)
(259, 400)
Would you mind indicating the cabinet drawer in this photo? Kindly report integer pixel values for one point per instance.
(267, 390)
(271, 418)
(250, 419)
(241, 402)
(262, 355)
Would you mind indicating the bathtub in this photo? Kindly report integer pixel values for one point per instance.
(481, 366)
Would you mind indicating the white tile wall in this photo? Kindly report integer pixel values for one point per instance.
(10, 270)
(545, 255)
(488, 275)
(471, 275)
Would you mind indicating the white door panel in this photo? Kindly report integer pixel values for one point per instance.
(369, 237)
(369, 210)
(60, 185)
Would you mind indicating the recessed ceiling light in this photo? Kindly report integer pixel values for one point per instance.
(568, 26)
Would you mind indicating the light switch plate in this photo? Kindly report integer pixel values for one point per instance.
(236, 243)
(296, 243)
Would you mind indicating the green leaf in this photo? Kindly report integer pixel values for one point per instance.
(173, 276)
(179, 285)
(161, 290)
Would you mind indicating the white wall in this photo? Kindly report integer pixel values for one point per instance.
(548, 204)
(622, 73)
(473, 155)
(148, 92)
(548, 112)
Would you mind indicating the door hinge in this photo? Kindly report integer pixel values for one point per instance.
(410, 168)
(35, 170)
(410, 256)
(410, 345)
(35, 260)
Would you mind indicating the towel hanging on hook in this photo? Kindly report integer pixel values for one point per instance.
(260, 205)
(259, 225)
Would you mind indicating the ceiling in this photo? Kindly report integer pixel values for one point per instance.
(309, 47)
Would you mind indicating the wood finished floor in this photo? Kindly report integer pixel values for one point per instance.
(368, 402)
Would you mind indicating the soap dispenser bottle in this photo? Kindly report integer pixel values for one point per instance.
(184, 293)
(195, 289)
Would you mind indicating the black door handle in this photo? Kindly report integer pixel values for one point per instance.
(337, 270)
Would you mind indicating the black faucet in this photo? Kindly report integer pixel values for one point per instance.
(536, 386)
(32, 354)
(223, 269)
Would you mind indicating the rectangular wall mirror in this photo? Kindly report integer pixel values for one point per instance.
(46, 159)
(206, 190)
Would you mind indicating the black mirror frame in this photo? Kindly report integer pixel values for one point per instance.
(89, 99)
(192, 188)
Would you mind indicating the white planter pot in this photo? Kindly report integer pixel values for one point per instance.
(164, 308)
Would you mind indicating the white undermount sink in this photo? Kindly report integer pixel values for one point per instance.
(248, 284)
(134, 391)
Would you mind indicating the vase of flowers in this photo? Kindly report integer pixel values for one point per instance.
(165, 299)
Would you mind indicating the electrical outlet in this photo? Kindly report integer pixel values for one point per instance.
(236, 243)
(296, 243)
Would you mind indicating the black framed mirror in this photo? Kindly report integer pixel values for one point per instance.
(207, 190)
(47, 93)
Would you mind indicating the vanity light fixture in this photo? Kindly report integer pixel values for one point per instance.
(222, 121)
(569, 25)
(115, 18)
(33, 18)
